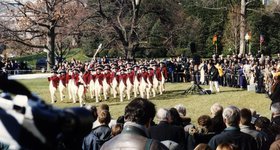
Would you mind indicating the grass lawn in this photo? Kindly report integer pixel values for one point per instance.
(196, 104)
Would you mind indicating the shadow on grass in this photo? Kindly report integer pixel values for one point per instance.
(171, 94)
(232, 90)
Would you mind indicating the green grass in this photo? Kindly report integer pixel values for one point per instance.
(78, 54)
(196, 104)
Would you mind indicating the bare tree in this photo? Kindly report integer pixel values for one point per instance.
(119, 19)
(37, 24)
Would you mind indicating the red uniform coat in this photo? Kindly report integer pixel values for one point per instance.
(158, 74)
(75, 77)
(99, 77)
(130, 76)
(55, 80)
(114, 75)
(91, 77)
(123, 77)
(143, 75)
(151, 76)
(63, 79)
(107, 77)
(68, 77)
(164, 72)
(86, 78)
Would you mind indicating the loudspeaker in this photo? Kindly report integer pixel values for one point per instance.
(192, 47)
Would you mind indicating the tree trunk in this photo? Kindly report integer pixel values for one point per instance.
(236, 25)
(242, 27)
(127, 50)
(51, 48)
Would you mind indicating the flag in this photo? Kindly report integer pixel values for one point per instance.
(261, 39)
(215, 38)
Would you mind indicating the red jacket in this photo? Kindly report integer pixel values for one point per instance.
(91, 77)
(114, 75)
(123, 77)
(99, 77)
(63, 79)
(107, 77)
(55, 80)
(86, 77)
(143, 75)
(164, 72)
(76, 78)
(130, 76)
(151, 76)
(68, 77)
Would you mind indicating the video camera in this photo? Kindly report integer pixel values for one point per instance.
(27, 122)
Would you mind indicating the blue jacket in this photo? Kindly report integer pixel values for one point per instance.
(96, 138)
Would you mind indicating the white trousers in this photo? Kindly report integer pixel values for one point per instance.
(216, 85)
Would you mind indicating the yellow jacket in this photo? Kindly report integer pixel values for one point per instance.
(220, 70)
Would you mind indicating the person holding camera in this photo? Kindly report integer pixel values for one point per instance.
(138, 115)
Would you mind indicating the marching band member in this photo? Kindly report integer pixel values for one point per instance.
(62, 84)
(136, 81)
(163, 71)
(143, 81)
(106, 82)
(129, 82)
(150, 82)
(91, 79)
(68, 83)
(75, 77)
(122, 83)
(114, 80)
(54, 81)
(81, 87)
(98, 83)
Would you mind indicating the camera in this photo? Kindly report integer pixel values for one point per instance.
(27, 122)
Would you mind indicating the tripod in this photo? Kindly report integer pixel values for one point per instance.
(194, 89)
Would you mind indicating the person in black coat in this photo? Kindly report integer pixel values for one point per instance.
(232, 133)
(213, 77)
(165, 131)
(218, 124)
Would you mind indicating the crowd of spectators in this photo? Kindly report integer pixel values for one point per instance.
(229, 128)
(13, 67)
(234, 70)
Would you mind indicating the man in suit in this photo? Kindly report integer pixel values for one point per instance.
(232, 133)
(138, 115)
(165, 131)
